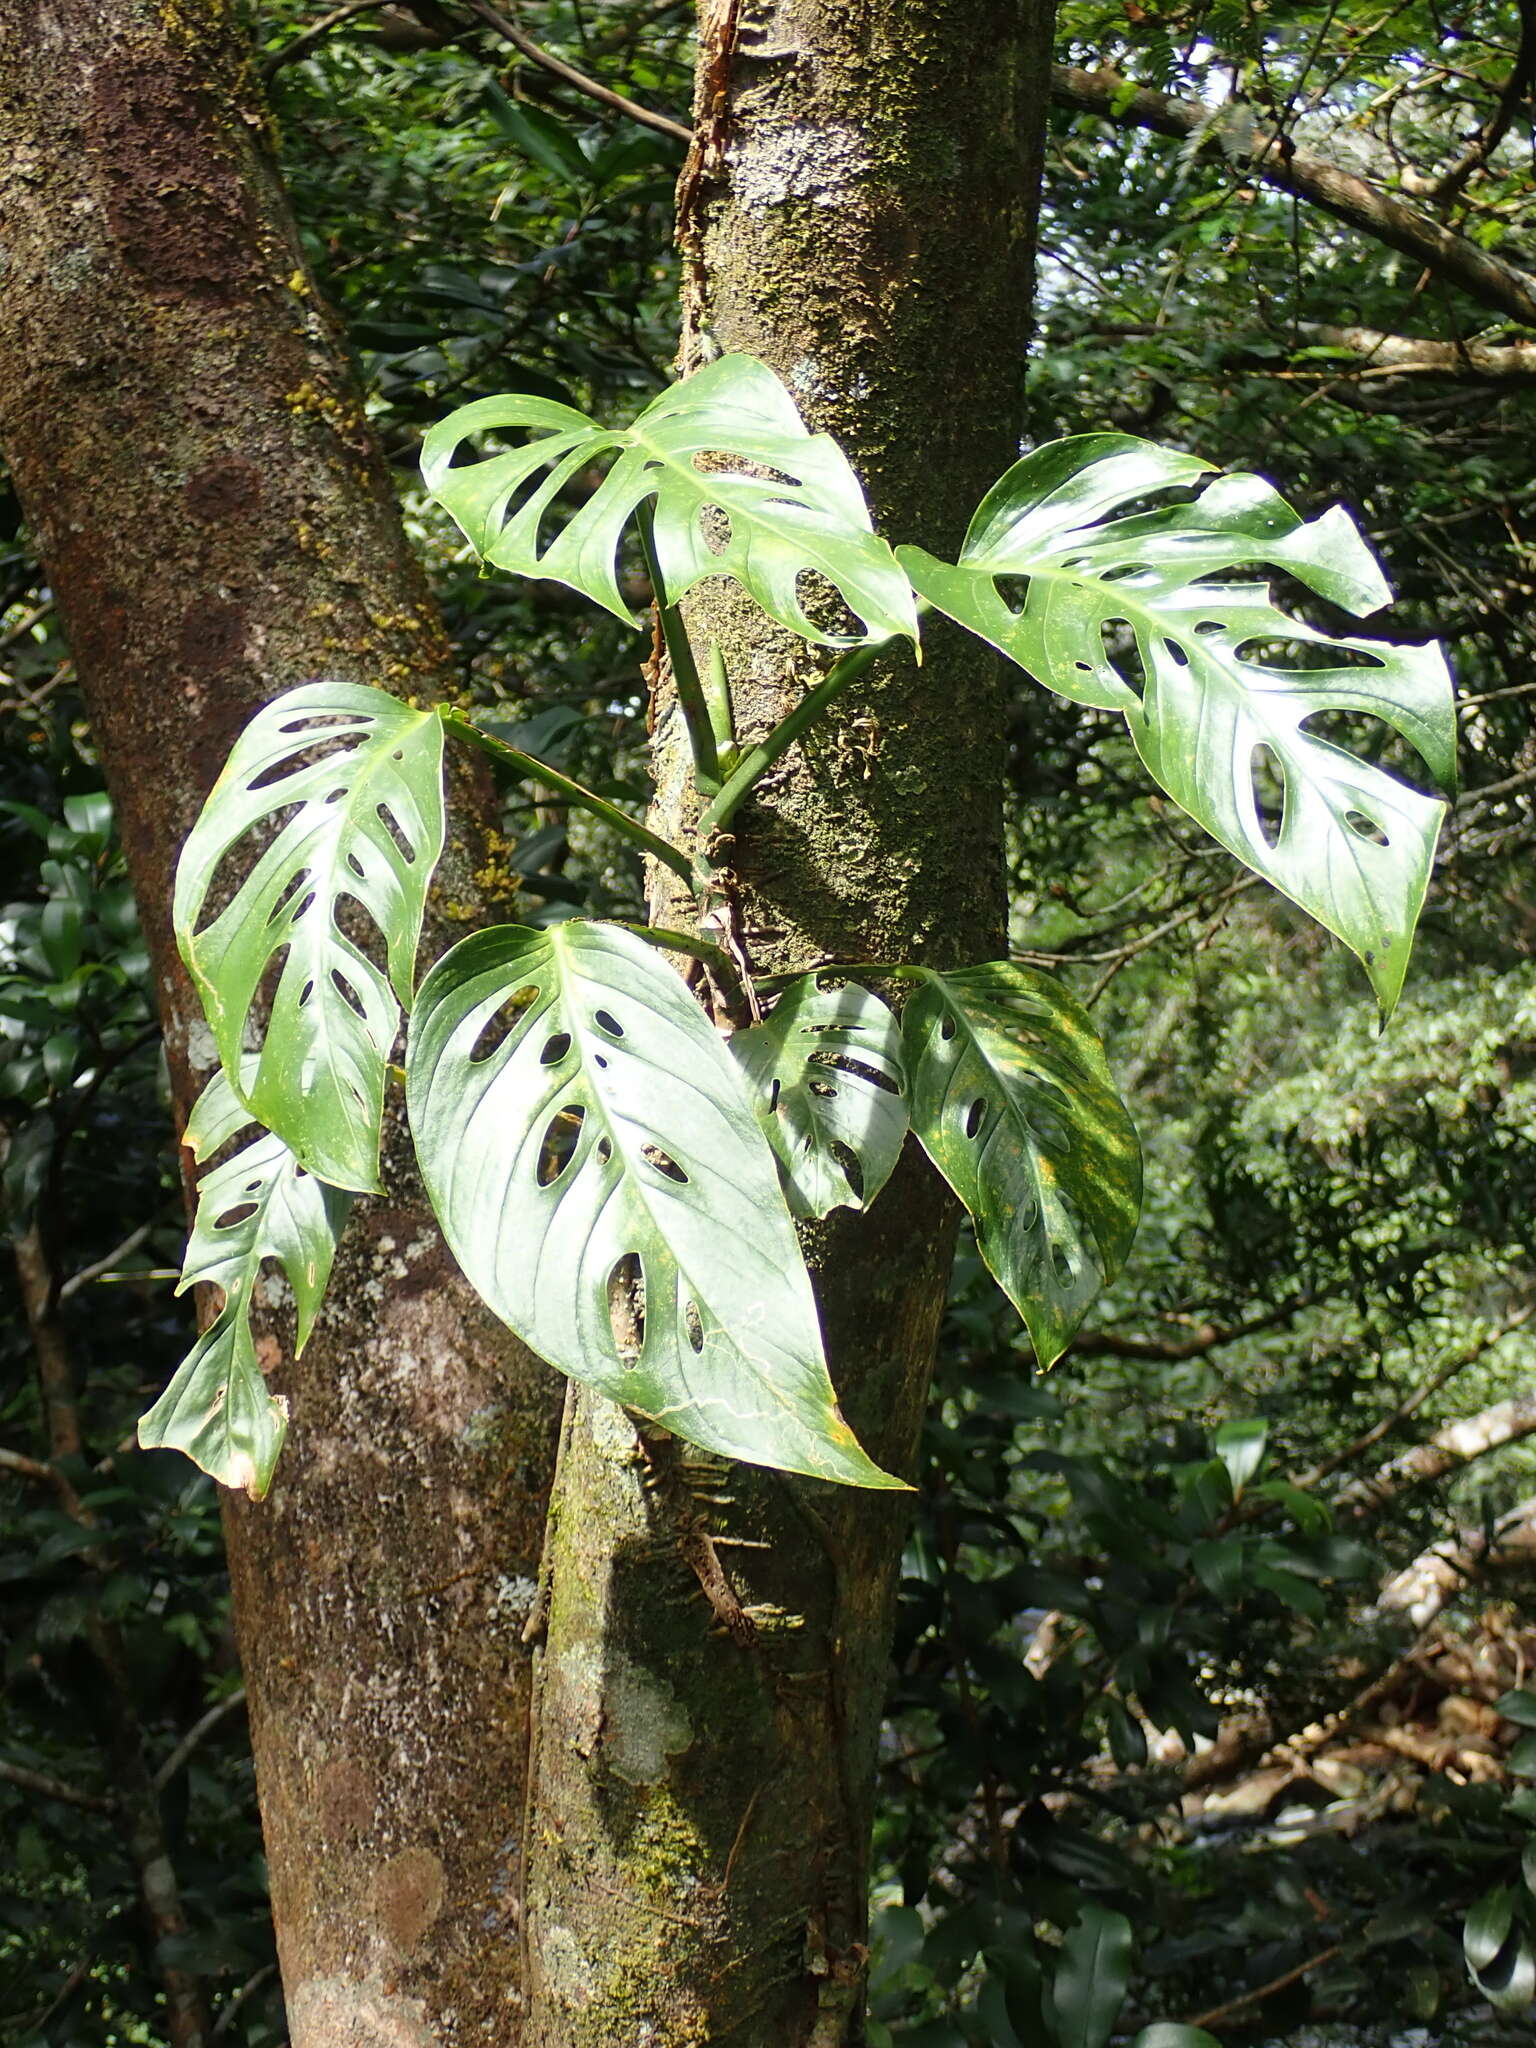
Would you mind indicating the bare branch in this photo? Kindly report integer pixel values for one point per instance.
(317, 31)
(1274, 160)
(558, 68)
(1517, 91)
(1407, 356)
(1447, 1451)
(197, 1734)
(46, 1787)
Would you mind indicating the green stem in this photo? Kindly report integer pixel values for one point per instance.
(717, 692)
(534, 770)
(754, 765)
(714, 957)
(690, 692)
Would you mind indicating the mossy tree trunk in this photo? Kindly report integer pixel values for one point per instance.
(217, 526)
(859, 211)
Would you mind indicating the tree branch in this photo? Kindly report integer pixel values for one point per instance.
(198, 1733)
(1447, 1451)
(317, 31)
(1170, 1351)
(1407, 356)
(1274, 160)
(558, 68)
(46, 1787)
(1517, 88)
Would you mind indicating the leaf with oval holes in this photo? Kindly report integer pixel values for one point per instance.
(829, 1085)
(598, 1170)
(1013, 1102)
(259, 1204)
(723, 520)
(1354, 843)
(348, 784)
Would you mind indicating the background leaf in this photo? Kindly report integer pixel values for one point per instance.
(769, 531)
(829, 1084)
(1014, 1104)
(1353, 843)
(259, 1204)
(1092, 1970)
(598, 1170)
(360, 826)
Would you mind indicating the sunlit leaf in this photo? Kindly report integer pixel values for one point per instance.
(1210, 706)
(828, 1080)
(1014, 1104)
(698, 452)
(598, 1170)
(344, 783)
(258, 1204)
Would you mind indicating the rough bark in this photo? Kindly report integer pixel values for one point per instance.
(857, 211)
(217, 525)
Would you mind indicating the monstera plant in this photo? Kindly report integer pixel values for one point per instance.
(619, 1168)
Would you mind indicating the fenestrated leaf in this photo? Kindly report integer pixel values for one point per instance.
(597, 1168)
(259, 1204)
(692, 449)
(1353, 844)
(829, 1084)
(349, 782)
(1013, 1102)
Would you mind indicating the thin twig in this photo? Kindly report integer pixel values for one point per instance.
(195, 1735)
(98, 1267)
(306, 39)
(558, 68)
(1218, 2013)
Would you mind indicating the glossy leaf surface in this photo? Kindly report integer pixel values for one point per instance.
(827, 1076)
(1013, 1102)
(692, 449)
(1211, 707)
(258, 1204)
(345, 784)
(590, 1150)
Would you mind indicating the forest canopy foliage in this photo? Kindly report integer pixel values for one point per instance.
(1211, 1696)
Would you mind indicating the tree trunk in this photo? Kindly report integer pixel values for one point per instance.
(217, 526)
(859, 212)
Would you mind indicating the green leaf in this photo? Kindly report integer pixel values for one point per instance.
(602, 1179)
(1294, 1592)
(1487, 1927)
(358, 828)
(1127, 1737)
(1093, 1967)
(1354, 844)
(1013, 1103)
(829, 1085)
(1240, 1447)
(1510, 1985)
(1219, 1565)
(1521, 1761)
(813, 517)
(259, 1204)
(1518, 1706)
(541, 138)
(1174, 2034)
